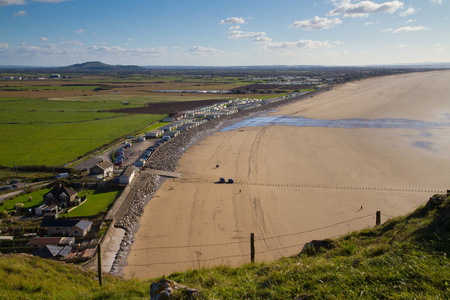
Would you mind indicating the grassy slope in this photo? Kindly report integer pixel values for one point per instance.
(405, 258)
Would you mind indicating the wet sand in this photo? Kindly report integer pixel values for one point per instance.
(295, 183)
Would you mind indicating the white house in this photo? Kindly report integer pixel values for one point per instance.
(171, 133)
(104, 168)
(154, 133)
(127, 175)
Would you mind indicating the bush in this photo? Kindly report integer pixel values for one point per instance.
(18, 205)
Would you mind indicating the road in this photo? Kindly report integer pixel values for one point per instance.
(131, 154)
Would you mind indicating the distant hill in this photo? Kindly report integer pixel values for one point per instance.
(96, 66)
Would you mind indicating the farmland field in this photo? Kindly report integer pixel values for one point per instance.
(58, 143)
(53, 122)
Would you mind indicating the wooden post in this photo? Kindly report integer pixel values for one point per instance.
(252, 247)
(99, 256)
(378, 218)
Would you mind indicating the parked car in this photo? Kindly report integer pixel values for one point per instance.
(15, 186)
(14, 181)
(62, 175)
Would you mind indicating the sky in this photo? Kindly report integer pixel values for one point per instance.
(224, 33)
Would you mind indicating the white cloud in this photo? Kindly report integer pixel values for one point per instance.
(44, 39)
(410, 28)
(234, 27)
(401, 46)
(369, 23)
(411, 21)
(204, 50)
(316, 23)
(256, 37)
(233, 20)
(301, 45)
(130, 39)
(123, 52)
(436, 1)
(387, 30)
(440, 47)
(50, 1)
(20, 13)
(4, 45)
(364, 8)
(73, 43)
(407, 12)
(12, 2)
(79, 31)
(267, 44)
(22, 43)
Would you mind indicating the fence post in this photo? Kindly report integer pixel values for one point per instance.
(99, 256)
(252, 247)
(378, 218)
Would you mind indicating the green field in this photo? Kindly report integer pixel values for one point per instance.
(141, 100)
(48, 88)
(44, 132)
(84, 104)
(36, 200)
(96, 202)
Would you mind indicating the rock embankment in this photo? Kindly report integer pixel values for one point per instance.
(131, 219)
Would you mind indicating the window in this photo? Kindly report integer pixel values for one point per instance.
(75, 232)
(58, 228)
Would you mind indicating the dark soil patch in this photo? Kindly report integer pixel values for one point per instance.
(166, 107)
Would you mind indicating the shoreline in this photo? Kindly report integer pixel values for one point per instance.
(170, 158)
(285, 174)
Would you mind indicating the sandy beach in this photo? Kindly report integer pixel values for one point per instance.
(314, 169)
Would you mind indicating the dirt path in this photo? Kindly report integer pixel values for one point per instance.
(376, 146)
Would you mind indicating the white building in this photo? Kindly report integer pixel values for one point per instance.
(127, 175)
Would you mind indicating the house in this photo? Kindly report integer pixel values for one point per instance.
(154, 133)
(168, 127)
(104, 168)
(38, 242)
(61, 196)
(51, 251)
(64, 227)
(169, 119)
(171, 133)
(127, 175)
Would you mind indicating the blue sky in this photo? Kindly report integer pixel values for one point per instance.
(224, 33)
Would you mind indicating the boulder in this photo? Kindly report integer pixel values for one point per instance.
(316, 245)
(163, 290)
